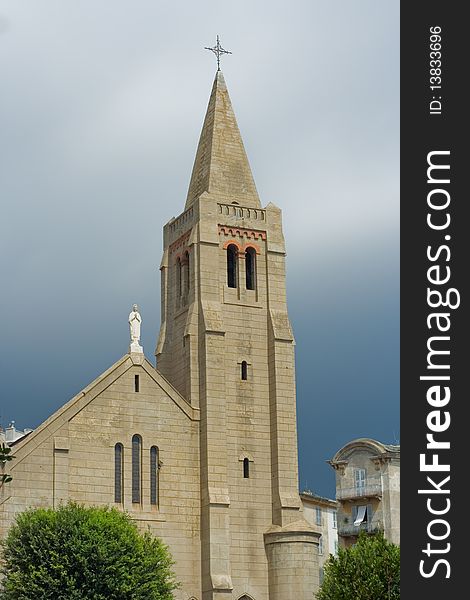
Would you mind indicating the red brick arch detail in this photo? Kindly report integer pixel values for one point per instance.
(242, 247)
(181, 241)
(233, 243)
(255, 247)
(182, 254)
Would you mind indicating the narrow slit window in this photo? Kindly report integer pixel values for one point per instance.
(136, 469)
(246, 468)
(136, 383)
(232, 256)
(118, 473)
(250, 265)
(154, 468)
(244, 370)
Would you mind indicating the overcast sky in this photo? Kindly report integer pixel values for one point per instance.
(101, 106)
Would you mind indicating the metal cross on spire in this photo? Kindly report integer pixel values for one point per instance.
(218, 51)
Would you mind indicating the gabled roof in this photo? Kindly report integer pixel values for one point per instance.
(221, 166)
(29, 443)
(309, 496)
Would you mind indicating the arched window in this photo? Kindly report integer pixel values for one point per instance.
(250, 265)
(179, 278)
(118, 473)
(232, 275)
(136, 469)
(244, 370)
(154, 476)
(246, 468)
(188, 272)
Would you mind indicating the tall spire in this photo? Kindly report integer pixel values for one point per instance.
(221, 166)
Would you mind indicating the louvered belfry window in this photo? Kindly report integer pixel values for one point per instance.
(250, 267)
(232, 257)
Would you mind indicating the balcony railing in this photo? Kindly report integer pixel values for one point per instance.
(349, 529)
(372, 489)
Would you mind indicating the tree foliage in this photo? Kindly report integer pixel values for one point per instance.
(369, 570)
(78, 553)
(5, 456)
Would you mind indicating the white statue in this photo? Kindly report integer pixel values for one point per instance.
(135, 321)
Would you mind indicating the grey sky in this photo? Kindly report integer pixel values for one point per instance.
(101, 106)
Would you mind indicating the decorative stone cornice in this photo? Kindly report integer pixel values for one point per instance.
(382, 459)
(242, 232)
(372, 447)
(338, 465)
(297, 531)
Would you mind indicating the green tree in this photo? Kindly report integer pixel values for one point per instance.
(78, 553)
(5, 456)
(369, 570)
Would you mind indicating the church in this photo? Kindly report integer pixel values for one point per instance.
(202, 448)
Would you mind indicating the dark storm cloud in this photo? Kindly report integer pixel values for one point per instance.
(100, 112)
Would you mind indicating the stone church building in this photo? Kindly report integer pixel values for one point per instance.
(202, 448)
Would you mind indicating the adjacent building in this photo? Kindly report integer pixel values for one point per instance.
(322, 513)
(10, 435)
(367, 490)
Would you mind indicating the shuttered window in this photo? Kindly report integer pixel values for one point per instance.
(360, 480)
(318, 516)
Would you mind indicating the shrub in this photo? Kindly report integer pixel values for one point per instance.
(78, 553)
(369, 570)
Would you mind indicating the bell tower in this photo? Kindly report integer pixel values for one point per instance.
(226, 345)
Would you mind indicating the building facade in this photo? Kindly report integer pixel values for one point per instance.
(10, 435)
(202, 448)
(322, 513)
(367, 490)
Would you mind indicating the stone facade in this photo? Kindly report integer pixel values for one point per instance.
(367, 489)
(72, 456)
(219, 410)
